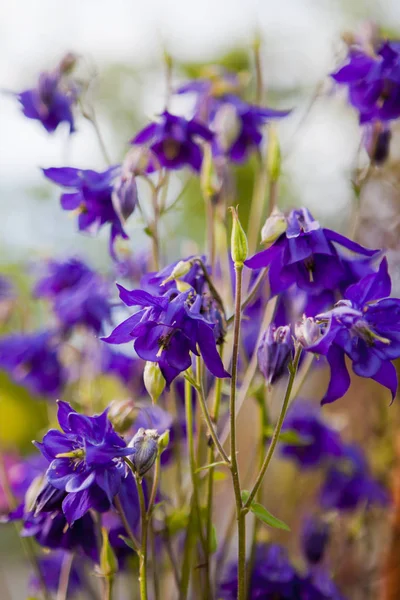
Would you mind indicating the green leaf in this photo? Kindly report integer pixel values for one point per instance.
(245, 494)
(128, 542)
(177, 520)
(265, 516)
(290, 436)
(211, 466)
(213, 540)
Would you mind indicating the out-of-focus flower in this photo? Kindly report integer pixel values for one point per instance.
(172, 142)
(79, 295)
(50, 566)
(317, 585)
(20, 474)
(52, 100)
(366, 327)
(274, 352)
(124, 367)
(167, 329)
(314, 539)
(348, 483)
(85, 461)
(305, 255)
(32, 360)
(91, 196)
(318, 441)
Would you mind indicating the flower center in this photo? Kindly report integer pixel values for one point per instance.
(171, 148)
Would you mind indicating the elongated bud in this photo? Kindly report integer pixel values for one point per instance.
(154, 381)
(125, 196)
(122, 414)
(163, 441)
(108, 560)
(273, 155)
(274, 226)
(275, 352)
(145, 449)
(239, 247)
(181, 269)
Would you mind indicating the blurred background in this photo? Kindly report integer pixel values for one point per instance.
(121, 44)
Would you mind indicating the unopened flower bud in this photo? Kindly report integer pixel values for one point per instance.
(122, 414)
(239, 247)
(227, 126)
(307, 331)
(181, 269)
(153, 379)
(274, 226)
(125, 196)
(273, 155)
(108, 560)
(275, 352)
(145, 447)
(163, 441)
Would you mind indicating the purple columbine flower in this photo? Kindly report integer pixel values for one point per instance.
(306, 255)
(172, 141)
(32, 360)
(365, 326)
(314, 539)
(348, 483)
(319, 441)
(85, 461)
(167, 329)
(78, 294)
(92, 196)
(275, 352)
(52, 100)
(317, 585)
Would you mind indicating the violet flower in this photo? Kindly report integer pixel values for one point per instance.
(79, 295)
(319, 441)
(275, 352)
(32, 360)
(91, 196)
(85, 461)
(348, 483)
(314, 539)
(365, 326)
(173, 143)
(167, 329)
(306, 255)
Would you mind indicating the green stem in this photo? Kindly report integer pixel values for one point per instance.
(277, 431)
(108, 588)
(126, 524)
(252, 293)
(62, 591)
(240, 516)
(143, 545)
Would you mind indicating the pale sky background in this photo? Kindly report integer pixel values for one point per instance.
(301, 40)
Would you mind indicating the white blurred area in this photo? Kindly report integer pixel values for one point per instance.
(301, 42)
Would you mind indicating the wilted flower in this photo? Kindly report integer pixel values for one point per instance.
(91, 197)
(79, 295)
(275, 352)
(32, 360)
(144, 449)
(318, 441)
(305, 254)
(167, 329)
(348, 483)
(85, 461)
(172, 142)
(366, 327)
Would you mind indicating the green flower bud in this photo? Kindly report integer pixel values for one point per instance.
(239, 247)
(274, 226)
(154, 381)
(181, 269)
(122, 414)
(108, 560)
(145, 446)
(273, 155)
(163, 441)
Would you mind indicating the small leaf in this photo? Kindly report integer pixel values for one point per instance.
(262, 513)
(219, 476)
(128, 542)
(245, 494)
(189, 377)
(148, 231)
(290, 436)
(213, 540)
(211, 466)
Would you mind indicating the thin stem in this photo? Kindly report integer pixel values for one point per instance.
(259, 81)
(277, 431)
(143, 545)
(240, 517)
(213, 290)
(93, 120)
(256, 211)
(252, 293)
(273, 195)
(125, 522)
(156, 581)
(108, 588)
(62, 591)
(190, 542)
(210, 218)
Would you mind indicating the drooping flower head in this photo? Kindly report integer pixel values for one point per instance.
(173, 142)
(32, 359)
(306, 255)
(78, 294)
(275, 352)
(85, 461)
(318, 441)
(314, 539)
(348, 483)
(91, 196)
(51, 101)
(365, 326)
(167, 329)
